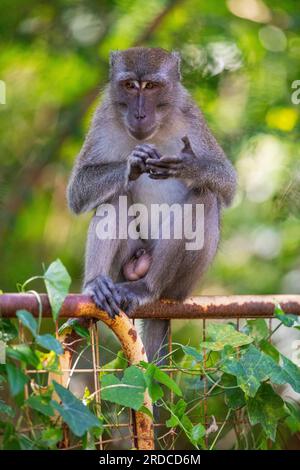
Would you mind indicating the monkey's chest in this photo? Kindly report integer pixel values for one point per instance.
(147, 191)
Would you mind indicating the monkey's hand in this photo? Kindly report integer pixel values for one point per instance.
(173, 166)
(137, 160)
(105, 295)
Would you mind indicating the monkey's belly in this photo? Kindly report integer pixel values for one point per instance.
(148, 191)
(151, 193)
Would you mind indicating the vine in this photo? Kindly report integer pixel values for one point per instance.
(239, 374)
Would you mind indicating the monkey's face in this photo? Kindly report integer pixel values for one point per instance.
(143, 105)
(144, 83)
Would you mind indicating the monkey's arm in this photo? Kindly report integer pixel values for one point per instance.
(201, 163)
(215, 174)
(93, 184)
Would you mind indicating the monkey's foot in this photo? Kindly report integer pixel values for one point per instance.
(129, 301)
(105, 295)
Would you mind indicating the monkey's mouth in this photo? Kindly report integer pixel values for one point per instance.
(142, 134)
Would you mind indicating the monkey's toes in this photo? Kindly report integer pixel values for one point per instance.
(105, 295)
(129, 303)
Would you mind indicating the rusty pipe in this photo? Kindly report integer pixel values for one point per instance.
(235, 306)
(121, 325)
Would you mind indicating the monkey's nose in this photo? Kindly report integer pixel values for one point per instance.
(139, 115)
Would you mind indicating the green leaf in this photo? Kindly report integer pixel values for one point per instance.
(155, 390)
(258, 329)
(8, 331)
(51, 436)
(57, 282)
(16, 379)
(48, 361)
(266, 409)
(73, 324)
(290, 373)
(255, 366)
(41, 404)
(77, 416)
(180, 418)
(293, 420)
(22, 352)
(119, 362)
(127, 392)
(10, 438)
(81, 331)
(234, 397)
(27, 320)
(269, 349)
(288, 319)
(178, 411)
(6, 409)
(163, 378)
(190, 351)
(88, 442)
(221, 335)
(250, 369)
(48, 341)
(197, 433)
(146, 411)
(26, 443)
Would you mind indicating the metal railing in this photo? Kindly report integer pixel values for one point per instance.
(205, 309)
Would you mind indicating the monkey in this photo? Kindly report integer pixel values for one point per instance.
(148, 141)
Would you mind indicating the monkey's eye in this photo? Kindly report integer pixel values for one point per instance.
(129, 85)
(150, 85)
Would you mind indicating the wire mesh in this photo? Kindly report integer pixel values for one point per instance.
(119, 431)
(90, 362)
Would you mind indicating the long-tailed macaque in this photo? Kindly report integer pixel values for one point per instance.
(148, 141)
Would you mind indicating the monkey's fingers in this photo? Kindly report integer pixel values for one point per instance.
(171, 166)
(136, 167)
(140, 154)
(101, 302)
(165, 162)
(103, 297)
(187, 145)
(171, 159)
(161, 175)
(113, 289)
(130, 303)
(151, 151)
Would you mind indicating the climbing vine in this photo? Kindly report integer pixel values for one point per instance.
(231, 382)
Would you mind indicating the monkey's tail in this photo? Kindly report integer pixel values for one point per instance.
(155, 334)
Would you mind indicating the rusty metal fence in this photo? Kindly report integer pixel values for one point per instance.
(135, 430)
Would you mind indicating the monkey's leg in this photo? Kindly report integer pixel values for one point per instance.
(174, 271)
(99, 268)
(103, 264)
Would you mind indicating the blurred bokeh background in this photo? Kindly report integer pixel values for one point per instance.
(239, 59)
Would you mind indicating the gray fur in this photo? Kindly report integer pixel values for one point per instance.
(103, 172)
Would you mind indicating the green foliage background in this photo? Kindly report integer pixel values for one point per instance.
(53, 59)
(239, 60)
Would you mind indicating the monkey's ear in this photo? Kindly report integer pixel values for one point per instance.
(112, 59)
(177, 58)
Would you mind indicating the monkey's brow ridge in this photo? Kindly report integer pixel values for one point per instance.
(157, 77)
